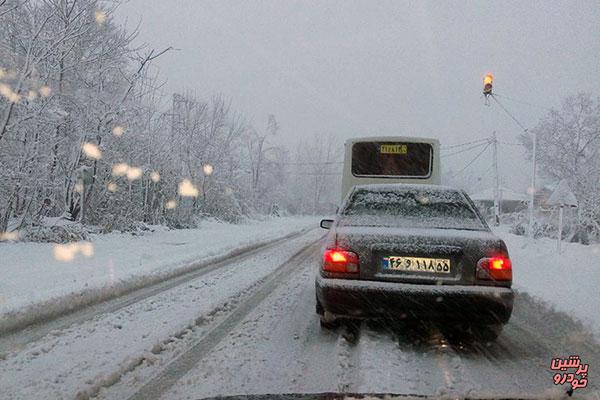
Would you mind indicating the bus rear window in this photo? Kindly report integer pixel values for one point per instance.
(392, 159)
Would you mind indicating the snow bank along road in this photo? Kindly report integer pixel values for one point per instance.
(248, 326)
(37, 285)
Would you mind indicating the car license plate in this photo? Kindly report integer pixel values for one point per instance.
(417, 264)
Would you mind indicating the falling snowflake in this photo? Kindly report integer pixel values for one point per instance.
(100, 17)
(92, 151)
(134, 173)
(120, 169)
(45, 91)
(171, 204)
(118, 131)
(78, 188)
(67, 252)
(207, 169)
(187, 189)
(155, 176)
(6, 236)
(111, 187)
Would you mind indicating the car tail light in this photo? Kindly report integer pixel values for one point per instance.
(340, 261)
(495, 268)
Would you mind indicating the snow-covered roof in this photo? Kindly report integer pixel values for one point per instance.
(506, 194)
(562, 196)
(405, 186)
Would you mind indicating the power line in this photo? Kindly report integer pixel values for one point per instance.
(467, 149)
(463, 144)
(473, 160)
(508, 113)
(522, 102)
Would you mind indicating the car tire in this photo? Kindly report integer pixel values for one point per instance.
(487, 333)
(328, 324)
(319, 308)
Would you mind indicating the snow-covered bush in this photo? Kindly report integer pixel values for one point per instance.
(546, 225)
(54, 233)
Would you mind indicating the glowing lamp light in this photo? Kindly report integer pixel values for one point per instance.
(488, 81)
(497, 263)
(337, 256)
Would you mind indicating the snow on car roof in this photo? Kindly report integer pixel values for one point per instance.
(406, 186)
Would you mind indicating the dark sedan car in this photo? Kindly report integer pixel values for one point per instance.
(414, 252)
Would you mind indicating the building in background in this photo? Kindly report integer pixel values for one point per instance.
(510, 201)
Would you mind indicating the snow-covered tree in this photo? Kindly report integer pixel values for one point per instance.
(569, 148)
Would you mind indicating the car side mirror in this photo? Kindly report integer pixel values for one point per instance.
(326, 223)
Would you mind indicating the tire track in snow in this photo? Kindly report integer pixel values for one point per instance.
(348, 352)
(88, 356)
(161, 383)
(424, 361)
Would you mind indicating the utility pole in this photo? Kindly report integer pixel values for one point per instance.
(532, 186)
(533, 161)
(496, 182)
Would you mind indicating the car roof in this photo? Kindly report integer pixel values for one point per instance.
(405, 186)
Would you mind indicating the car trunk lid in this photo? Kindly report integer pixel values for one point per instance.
(416, 255)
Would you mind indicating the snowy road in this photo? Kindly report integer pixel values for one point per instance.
(249, 326)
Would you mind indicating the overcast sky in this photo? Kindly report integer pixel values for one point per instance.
(360, 68)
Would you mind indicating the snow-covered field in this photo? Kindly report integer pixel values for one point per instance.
(568, 281)
(39, 278)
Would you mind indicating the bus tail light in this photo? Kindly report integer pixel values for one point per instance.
(340, 261)
(495, 268)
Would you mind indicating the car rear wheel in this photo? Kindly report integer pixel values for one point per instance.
(328, 324)
(328, 321)
(487, 333)
(319, 308)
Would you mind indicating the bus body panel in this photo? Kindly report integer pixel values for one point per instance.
(349, 179)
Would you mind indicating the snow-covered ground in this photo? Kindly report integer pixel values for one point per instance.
(81, 359)
(39, 278)
(249, 326)
(568, 281)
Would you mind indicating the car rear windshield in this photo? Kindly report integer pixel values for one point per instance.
(414, 208)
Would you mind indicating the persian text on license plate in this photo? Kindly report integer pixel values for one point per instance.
(417, 264)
